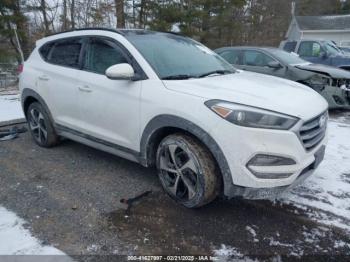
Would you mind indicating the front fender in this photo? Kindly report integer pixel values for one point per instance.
(169, 121)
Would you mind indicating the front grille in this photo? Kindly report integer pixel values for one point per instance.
(313, 131)
(341, 82)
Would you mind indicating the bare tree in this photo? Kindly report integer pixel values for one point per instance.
(119, 9)
(134, 13)
(44, 14)
(72, 14)
(141, 14)
(64, 16)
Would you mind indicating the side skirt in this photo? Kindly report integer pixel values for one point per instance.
(98, 143)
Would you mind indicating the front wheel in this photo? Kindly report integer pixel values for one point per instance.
(187, 171)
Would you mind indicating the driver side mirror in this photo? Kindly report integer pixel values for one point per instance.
(274, 64)
(120, 72)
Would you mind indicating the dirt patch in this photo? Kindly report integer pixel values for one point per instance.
(157, 226)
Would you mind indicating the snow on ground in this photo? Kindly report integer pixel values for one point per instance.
(224, 252)
(252, 232)
(328, 189)
(295, 247)
(10, 108)
(16, 240)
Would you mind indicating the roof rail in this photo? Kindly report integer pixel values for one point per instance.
(89, 28)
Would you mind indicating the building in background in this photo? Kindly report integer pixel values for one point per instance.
(334, 28)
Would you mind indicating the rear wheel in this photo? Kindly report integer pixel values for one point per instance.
(40, 126)
(187, 171)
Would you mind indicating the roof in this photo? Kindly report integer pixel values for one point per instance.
(118, 31)
(267, 48)
(329, 22)
(123, 32)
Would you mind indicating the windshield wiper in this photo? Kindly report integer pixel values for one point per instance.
(184, 76)
(219, 72)
(177, 77)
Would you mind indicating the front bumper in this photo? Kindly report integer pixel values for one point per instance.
(275, 192)
(240, 145)
(336, 97)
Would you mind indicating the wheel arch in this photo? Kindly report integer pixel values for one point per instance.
(28, 97)
(163, 125)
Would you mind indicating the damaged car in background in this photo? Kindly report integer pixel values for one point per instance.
(323, 52)
(332, 83)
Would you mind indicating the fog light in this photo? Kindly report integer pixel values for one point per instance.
(269, 160)
(262, 160)
(270, 175)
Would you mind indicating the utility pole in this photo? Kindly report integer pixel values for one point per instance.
(293, 9)
(14, 27)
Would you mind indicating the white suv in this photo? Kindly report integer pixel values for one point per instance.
(164, 100)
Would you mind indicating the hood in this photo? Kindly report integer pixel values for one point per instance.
(256, 90)
(342, 55)
(325, 70)
(340, 60)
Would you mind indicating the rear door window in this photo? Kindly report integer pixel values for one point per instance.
(256, 58)
(101, 54)
(232, 56)
(66, 52)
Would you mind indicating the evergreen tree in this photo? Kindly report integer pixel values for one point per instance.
(11, 14)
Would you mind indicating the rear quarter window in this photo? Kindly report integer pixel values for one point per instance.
(45, 50)
(66, 53)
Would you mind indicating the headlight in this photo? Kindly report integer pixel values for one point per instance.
(318, 80)
(251, 116)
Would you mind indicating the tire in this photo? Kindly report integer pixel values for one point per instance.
(187, 171)
(40, 126)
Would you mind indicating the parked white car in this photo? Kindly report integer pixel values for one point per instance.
(167, 101)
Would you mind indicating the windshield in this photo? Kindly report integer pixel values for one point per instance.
(287, 58)
(332, 49)
(177, 57)
(346, 49)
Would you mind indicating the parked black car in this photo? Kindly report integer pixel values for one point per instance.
(332, 83)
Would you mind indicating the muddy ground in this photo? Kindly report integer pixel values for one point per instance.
(70, 196)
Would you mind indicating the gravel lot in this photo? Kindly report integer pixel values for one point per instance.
(70, 196)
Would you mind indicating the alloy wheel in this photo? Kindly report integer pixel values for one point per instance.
(37, 125)
(178, 170)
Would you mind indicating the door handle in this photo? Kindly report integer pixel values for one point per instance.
(44, 78)
(85, 89)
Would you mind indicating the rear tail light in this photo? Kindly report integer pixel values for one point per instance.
(20, 68)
